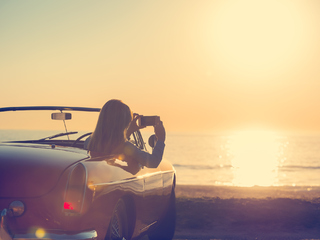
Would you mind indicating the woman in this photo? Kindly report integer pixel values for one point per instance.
(115, 125)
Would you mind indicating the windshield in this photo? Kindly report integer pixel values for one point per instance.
(32, 125)
(70, 128)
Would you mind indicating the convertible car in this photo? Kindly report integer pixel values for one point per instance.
(51, 188)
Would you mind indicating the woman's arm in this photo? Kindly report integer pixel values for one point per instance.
(144, 158)
(133, 126)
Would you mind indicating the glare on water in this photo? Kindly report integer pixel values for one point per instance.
(254, 158)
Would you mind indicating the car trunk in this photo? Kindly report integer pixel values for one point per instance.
(29, 170)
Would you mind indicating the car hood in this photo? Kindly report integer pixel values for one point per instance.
(31, 170)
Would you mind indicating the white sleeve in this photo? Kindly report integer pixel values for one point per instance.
(144, 158)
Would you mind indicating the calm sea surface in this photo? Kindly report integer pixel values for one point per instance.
(242, 159)
(245, 159)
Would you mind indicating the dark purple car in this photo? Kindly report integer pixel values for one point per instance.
(51, 188)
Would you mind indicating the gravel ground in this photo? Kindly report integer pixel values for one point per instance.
(265, 213)
(257, 213)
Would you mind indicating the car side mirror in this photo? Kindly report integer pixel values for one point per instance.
(152, 140)
(61, 116)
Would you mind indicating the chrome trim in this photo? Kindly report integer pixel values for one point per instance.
(88, 235)
(130, 179)
(169, 171)
(114, 182)
(84, 186)
(4, 233)
(147, 227)
(60, 108)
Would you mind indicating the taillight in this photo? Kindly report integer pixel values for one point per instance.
(75, 191)
(67, 206)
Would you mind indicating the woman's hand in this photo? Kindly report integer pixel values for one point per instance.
(133, 126)
(160, 131)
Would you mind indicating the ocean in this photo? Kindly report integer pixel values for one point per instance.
(245, 159)
(240, 159)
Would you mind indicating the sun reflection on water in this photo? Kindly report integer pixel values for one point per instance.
(255, 158)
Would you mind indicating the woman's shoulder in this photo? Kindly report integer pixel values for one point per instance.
(126, 148)
(129, 148)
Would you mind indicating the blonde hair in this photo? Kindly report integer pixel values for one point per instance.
(112, 124)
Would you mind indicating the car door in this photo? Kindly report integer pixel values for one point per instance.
(153, 190)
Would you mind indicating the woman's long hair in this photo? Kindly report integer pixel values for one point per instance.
(112, 124)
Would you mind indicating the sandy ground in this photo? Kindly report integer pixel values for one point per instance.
(214, 212)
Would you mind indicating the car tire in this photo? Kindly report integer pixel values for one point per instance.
(165, 229)
(118, 227)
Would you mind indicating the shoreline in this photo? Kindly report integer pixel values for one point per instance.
(311, 193)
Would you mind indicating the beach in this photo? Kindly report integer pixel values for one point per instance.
(223, 212)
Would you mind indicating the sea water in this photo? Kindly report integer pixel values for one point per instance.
(245, 159)
(239, 159)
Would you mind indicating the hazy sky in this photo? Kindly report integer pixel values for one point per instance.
(200, 65)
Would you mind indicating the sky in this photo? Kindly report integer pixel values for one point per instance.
(203, 66)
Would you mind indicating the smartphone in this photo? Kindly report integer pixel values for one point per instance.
(147, 120)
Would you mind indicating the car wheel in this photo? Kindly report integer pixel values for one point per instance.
(165, 230)
(118, 227)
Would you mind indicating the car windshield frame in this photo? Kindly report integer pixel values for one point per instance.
(136, 138)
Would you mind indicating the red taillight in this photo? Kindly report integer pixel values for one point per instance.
(75, 191)
(68, 206)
